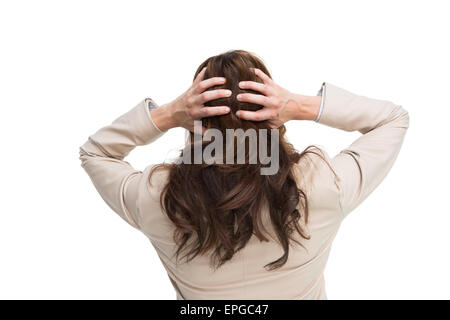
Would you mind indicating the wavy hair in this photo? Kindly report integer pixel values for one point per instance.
(218, 206)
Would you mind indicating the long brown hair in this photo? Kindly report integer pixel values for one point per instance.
(218, 206)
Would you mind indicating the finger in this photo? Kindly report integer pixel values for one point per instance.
(264, 77)
(253, 98)
(197, 129)
(260, 115)
(253, 85)
(200, 76)
(192, 127)
(212, 111)
(205, 84)
(213, 94)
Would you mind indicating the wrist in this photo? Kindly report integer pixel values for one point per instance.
(162, 117)
(308, 107)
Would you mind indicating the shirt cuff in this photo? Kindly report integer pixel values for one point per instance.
(321, 103)
(152, 105)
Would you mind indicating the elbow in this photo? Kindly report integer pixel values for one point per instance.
(83, 155)
(400, 117)
(404, 118)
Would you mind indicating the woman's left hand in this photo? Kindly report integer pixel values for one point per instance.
(188, 107)
(279, 104)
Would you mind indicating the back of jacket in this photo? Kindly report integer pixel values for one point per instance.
(334, 188)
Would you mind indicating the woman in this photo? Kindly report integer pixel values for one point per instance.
(222, 229)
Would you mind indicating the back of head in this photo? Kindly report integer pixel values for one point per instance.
(234, 66)
(219, 206)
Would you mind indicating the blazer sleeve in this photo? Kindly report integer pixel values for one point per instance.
(102, 158)
(364, 164)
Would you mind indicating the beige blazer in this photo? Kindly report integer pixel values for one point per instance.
(360, 168)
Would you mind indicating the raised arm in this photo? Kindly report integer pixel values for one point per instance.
(102, 158)
(102, 155)
(362, 165)
(365, 163)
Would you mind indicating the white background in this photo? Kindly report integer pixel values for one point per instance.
(68, 68)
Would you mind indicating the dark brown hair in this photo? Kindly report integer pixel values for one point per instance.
(218, 206)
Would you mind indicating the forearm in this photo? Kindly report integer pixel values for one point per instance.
(163, 117)
(116, 140)
(351, 112)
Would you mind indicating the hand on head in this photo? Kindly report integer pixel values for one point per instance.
(279, 105)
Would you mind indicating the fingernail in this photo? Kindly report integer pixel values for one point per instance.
(228, 93)
(239, 96)
(242, 83)
(238, 113)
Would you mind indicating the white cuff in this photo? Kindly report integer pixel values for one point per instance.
(321, 103)
(152, 105)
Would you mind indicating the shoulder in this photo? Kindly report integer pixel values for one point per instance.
(316, 177)
(153, 221)
(156, 177)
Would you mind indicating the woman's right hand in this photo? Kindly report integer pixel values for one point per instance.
(279, 104)
(189, 106)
